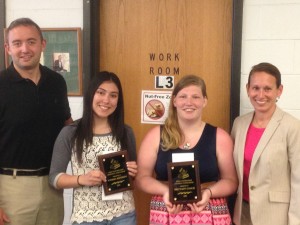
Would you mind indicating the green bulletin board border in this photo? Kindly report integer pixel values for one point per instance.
(65, 42)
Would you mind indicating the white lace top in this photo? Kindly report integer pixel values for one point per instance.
(87, 201)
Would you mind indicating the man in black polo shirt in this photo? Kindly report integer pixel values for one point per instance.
(33, 109)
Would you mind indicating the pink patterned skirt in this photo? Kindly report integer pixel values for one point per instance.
(215, 213)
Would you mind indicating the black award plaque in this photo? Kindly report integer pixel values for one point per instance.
(113, 165)
(184, 182)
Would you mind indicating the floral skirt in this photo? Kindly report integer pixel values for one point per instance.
(215, 213)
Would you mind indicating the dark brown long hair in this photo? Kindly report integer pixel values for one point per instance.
(84, 132)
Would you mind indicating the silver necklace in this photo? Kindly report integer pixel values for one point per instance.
(186, 146)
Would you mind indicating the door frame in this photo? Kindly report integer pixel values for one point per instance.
(2, 26)
(235, 77)
(236, 55)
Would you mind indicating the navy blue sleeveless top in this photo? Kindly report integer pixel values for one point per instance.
(204, 151)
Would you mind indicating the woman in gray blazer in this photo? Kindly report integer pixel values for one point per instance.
(267, 155)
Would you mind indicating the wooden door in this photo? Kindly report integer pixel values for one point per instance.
(143, 38)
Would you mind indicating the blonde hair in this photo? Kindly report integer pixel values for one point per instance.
(172, 134)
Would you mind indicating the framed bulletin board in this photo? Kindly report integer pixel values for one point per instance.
(63, 55)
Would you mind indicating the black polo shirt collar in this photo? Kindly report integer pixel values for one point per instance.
(16, 77)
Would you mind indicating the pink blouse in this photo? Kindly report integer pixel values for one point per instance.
(253, 136)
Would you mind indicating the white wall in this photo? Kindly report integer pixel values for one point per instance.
(271, 33)
(52, 14)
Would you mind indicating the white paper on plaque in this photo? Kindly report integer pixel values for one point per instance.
(116, 196)
(183, 157)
